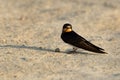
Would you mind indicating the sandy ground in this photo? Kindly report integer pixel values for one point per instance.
(30, 32)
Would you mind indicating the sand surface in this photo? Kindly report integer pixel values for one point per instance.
(30, 32)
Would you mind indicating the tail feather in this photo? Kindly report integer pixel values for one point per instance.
(102, 51)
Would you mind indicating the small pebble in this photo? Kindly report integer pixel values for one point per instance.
(24, 59)
(57, 50)
(40, 47)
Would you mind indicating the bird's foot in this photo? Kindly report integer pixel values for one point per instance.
(74, 50)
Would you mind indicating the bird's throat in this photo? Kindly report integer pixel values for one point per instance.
(68, 30)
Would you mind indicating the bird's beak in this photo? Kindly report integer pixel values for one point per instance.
(67, 30)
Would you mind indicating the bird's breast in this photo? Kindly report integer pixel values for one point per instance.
(67, 37)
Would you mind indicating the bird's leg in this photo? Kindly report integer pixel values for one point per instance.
(74, 49)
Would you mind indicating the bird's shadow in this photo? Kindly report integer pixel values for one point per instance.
(42, 49)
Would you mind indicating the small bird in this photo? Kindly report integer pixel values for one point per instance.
(74, 39)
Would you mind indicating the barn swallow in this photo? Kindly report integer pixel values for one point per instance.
(74, 39)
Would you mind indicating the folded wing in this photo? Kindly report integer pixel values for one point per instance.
(89, 46)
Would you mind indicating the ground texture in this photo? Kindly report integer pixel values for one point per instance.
(30, 32)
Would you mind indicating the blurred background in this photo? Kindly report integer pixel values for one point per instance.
(21, 18)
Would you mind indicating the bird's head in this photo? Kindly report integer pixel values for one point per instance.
(67, 28)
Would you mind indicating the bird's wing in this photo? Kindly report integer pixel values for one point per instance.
(84, 44)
